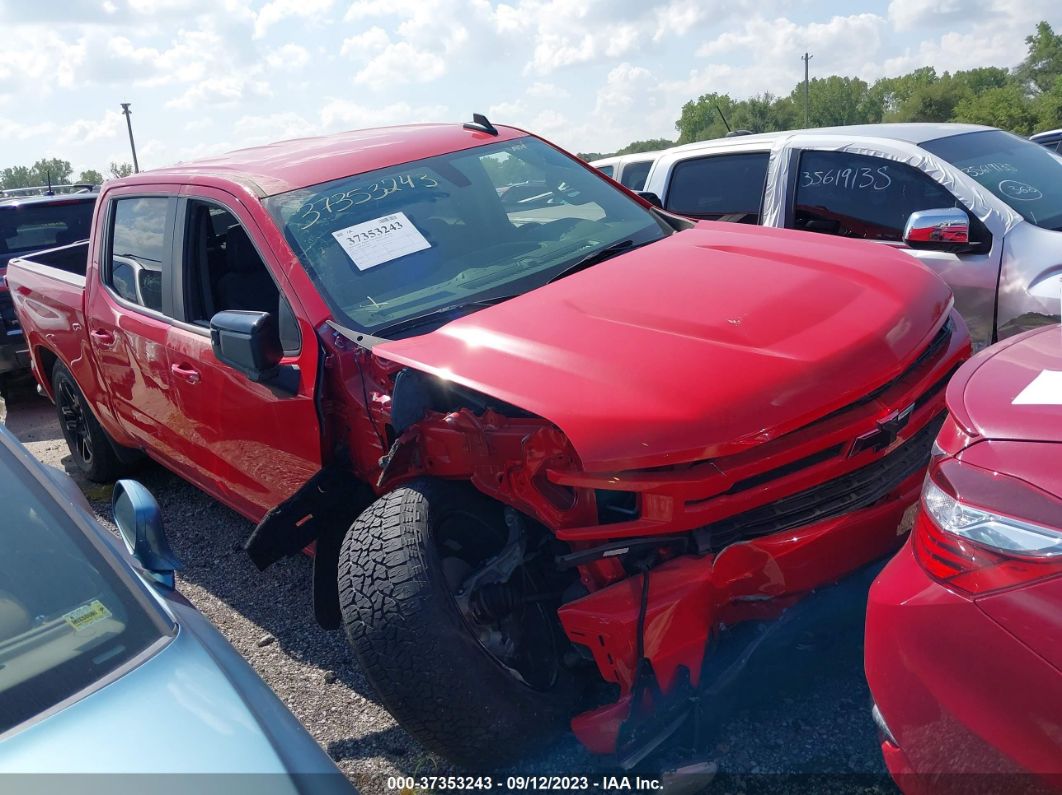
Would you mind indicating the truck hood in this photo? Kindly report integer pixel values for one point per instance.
(983, 395)
(707, 342)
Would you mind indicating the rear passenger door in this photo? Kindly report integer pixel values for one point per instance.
(719, 187)
(250, 444)
(870, 198)
(128, 317)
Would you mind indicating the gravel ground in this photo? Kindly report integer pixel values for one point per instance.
(799, 719)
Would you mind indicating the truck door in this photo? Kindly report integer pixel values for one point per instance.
(127, 314)
(251, 444)
(871, 198)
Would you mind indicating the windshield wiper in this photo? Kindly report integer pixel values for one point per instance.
(434, 314)
(600, 255)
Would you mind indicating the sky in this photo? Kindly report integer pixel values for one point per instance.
(207, 76)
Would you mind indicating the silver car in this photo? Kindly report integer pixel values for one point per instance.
(106, 670)
(981, 207)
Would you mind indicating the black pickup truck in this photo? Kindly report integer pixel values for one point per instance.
(29, 224)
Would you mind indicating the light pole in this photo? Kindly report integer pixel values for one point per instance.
(806, 57)
(129, 124)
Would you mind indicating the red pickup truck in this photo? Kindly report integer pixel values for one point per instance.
(550, 450)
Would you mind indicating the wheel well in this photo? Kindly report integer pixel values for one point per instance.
(46, 362)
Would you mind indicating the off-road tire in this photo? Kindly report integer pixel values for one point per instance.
(428, 669)
(90, 447)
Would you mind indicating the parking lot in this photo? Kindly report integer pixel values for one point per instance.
(800, 724)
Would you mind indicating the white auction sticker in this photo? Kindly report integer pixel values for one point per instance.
(380, 240)
(1045, 390)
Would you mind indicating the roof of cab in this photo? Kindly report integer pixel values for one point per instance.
(914, 133)
(301, 162)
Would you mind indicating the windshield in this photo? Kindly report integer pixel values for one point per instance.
(481, 223)
(1024, 175)
(66, 618)
(32, 227)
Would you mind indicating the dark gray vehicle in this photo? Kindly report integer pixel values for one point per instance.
(30, 223)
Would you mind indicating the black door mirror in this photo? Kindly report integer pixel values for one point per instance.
(651, 197)
(140, 522)
(248, 342)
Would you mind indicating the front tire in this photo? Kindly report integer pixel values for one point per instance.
(417, 648)
(90, 447)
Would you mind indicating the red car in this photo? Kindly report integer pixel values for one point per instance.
(550, 447)
(964, 626)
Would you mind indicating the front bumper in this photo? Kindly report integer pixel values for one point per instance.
(969, 706)
(692, 599)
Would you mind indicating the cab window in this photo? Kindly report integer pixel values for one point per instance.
(140, 250)
(634, 174)
(223, 271)
(859, 196)
(719, 187)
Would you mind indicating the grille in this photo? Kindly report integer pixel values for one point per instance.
(845, 494)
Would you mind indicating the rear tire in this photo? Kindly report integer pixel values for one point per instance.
(420, 653)
(90, 446)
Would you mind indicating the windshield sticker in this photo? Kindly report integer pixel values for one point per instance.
(338, 203)
(1045, 390)
(860, 178)
(1022, 191)
(381, 240)
(87, 615)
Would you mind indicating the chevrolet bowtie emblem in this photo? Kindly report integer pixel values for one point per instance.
(887, 432)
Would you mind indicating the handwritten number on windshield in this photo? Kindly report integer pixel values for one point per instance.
(337, 203)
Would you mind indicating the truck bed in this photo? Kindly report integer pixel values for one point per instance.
(48, 289)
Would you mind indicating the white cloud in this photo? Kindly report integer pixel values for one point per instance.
(344, 114)
(278, 10)
(290, 57)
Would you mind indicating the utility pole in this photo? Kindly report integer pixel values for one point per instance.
(806, 57)
(129, 124)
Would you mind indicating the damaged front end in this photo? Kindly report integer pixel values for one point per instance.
(662, 562)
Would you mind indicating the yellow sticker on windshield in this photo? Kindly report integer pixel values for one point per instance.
(86, 615)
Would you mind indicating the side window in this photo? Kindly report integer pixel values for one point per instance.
(634, 174)
(224, 271)
(862, 196)
(139, 250)
(606, 170)
(719, 187)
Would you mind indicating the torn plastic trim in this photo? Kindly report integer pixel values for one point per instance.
(362, 340)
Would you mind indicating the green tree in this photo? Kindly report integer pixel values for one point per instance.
(1043, 65)
(1007, 107)
(700, 119)
(650, 145)
(837, 100)
(16, 177)
(90, 176)
(51, 171)
(120, 169)
(1048, 107)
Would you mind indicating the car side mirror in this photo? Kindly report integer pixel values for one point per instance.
(651, 197)
(946, 229)
(139, 521)
(248, 342)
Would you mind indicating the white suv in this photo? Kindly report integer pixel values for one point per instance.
(981, 207)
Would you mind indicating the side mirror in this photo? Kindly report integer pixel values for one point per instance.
(651, 197)
(140, 522)
(248, 342)
(941, 230)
